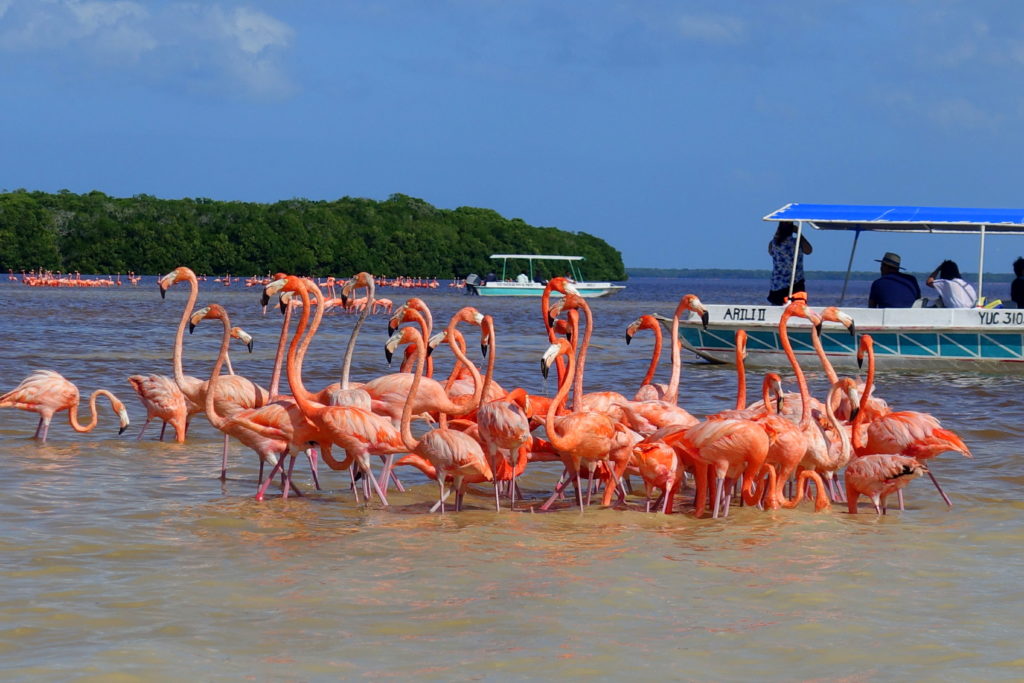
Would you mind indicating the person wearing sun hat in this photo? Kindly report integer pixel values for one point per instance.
(895, 289)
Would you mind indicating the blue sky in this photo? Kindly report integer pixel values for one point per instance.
(668, 128)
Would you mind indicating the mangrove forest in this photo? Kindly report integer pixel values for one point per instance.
(402, 235)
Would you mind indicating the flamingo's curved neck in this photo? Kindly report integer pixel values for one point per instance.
(558, 440)
(655, 355)
(346, 363)
(179, 338)
(216, 420)
(317, 317)
(826, 364)
(275, 376)
(741, 373)
(421, 355)
(73, 412)
(581, 361)
(869, 383)
(805, 394)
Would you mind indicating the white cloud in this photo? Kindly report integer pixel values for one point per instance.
(184, 44)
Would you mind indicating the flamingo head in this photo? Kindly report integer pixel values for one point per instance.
(242, 336)
(833, 314)
(405, 335)
(562, 285)
(692, 303)
(866, 347)
(632, 328)
(122, 414)
(177, 275)
(358, 280)
(560, 347)
(211, 311)
(487, 335)
(798, 306)
(773, 384)
(271, 289)
(741, 343)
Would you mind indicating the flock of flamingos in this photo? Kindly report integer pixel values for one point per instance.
(768, 454)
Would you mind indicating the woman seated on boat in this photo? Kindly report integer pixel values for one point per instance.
(953, 291)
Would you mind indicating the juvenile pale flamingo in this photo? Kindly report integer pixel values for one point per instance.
(47, 392)
(877, 476)
(451, 452)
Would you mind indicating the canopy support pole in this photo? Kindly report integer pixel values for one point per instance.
(981, 265)
(849, 266)
(796, 256)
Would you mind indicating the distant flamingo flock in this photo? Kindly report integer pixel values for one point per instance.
(771, 454)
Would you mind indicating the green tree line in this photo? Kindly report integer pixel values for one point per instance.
(95, 233)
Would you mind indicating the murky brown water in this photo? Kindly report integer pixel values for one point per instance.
(126, 560)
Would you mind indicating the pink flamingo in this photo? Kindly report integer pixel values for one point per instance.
(47, 392)
(906, 432)
(647, 390)
(451, 452)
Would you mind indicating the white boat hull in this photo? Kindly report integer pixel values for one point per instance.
(972, 339)
(586, 289)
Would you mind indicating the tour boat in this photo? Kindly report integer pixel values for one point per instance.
(919, 338)
(514, 281)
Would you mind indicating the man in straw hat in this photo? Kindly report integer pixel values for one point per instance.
(895, 289)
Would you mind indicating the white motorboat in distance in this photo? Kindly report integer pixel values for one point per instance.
(519, 281)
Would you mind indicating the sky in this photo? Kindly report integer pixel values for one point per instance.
(668, 128)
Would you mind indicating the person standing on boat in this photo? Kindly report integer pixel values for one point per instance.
(953, 290)
(894, 289)
(782, 249)
(1017, 286)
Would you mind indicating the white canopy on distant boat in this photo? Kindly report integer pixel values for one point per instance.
(539, 257)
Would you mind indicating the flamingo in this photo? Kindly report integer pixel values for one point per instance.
(877, 476)
(583, 437)
(47, 392)
(359, 432)
(270, 448)
(647, 390)
(233, 393)
(451, 452)
(906, 432)
(163, 399)
(503, 427)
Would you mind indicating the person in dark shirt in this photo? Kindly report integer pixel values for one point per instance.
(1017, 287)
(894, 289)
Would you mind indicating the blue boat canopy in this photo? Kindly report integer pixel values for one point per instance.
(931, 219)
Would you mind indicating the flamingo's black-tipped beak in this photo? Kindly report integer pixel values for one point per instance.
(249, 345)
(391, 328)
(853, 413)
(344, 299)
(853, 330)
(120, 431)
(284, 308)
(778, 405)
(817, 329)
(860, 362)
(429, 350)
(544, 369)
(629, 338)
(568, 336)
(163, 292)
(704, 317)
(264, 299)
(387, 355)
(191, 327)
(551, 321)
